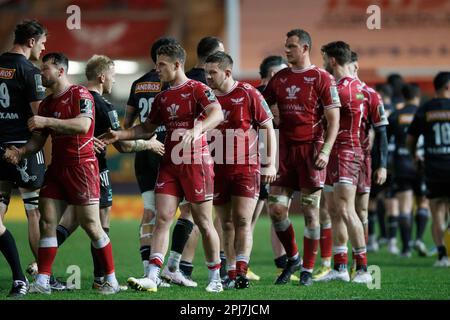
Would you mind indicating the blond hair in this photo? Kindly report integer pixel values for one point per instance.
(97, 65)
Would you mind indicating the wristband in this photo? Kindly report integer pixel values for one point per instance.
(326, 149)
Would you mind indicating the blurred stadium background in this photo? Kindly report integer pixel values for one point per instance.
(412, 41)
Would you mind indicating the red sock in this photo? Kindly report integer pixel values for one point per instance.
(326, 243)
(287, 239)
(241, 267)
(310, 247)
(340, 258)
(46, 256)
(106, 257)
(232, 274)
(361, 260)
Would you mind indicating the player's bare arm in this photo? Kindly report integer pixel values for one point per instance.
(381, 145)
(332, 115)
(214, 116)
(35, 107)
(269, 172)
(131, 114)
(78, 125)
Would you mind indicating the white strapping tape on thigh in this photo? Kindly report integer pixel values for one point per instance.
(31, 200)
(149, 200)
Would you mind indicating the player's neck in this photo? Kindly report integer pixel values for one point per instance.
(60, 87)
(97, 87)
(443, 95)
(21, 50)
(227, 86)
(341, 72)
(179, 79)
(302, 64)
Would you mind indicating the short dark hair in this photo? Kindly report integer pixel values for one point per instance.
(173, 51)
(268, 63)
(159, 43)
(302, 35)
(207, 46)
(28, 29)
(223, 59)
(354, 57)
(339, 50)
(410, 91)
(441, 80)
(384, 89)
(57, 58)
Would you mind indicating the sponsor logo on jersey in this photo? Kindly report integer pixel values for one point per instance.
(38, 82)
(147, 87)
(334, 95)
(406, 118)
(437, 115)
(292, 92)
(86, 106)
(359, 96)
(114, 119)
(173, 111)
(309, 80)
(8, 116)
(237, 100)
(185, 95)
(210, 95)
(283, 80)
(7, 73)
(65, 101)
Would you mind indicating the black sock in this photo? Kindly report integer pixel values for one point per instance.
(281, 261)
(381, 220)
(422, 216)
(145, 253)
(223, 264)
(180, 235)
(98, 266)
(405, 230)
(442, 252)
(392, 226)
(9, 250)
(61, 234)
(186, 267)
(372, 217)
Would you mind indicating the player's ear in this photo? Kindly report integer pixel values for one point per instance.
(31, 42)
(177, 64)
(228, 72)
(102, 78)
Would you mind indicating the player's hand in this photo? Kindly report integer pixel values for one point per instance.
(37, 122)
(321, 161)
(269, 174)
(156, 146)
(379, 176)
(109, 137)
(99, 145)
(190, 136)
(12, 155)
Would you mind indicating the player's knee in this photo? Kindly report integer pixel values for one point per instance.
(242, 223)
(149, 200)
(278, 207)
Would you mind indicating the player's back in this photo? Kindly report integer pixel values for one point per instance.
(435, 119)
(374, 115)
(143, 92)
(105, 117)
(351, 113)
(301, 97)
(20, 84)
(71, 149)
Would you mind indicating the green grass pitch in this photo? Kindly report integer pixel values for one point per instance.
(401, 278)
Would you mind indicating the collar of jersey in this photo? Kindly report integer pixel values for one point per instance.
(229, 91)
(302, 70)
(180, 85)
